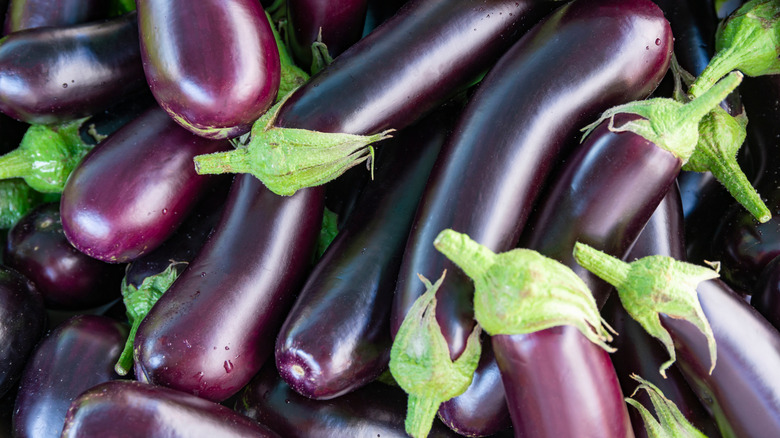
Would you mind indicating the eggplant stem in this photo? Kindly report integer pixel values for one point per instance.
(15, 164)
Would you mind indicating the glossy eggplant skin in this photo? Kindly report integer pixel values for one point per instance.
(54, 74)
(639, 353)
(336, 338)
(28, 14)
(66, 277)
(340, 21)
(215, 68)
(407, 66)
(133, 189)
(375, 410)
(216, 325)
(137, 410)
(22, 324)
(77, 355)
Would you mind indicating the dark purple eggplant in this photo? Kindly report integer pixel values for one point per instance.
(66, 277)
(375, 410)
(55, 74)
(139, 410)
(337, 338)
(28, 14)
(337, 24)
(766, 294)
(216, 325)
(215, 69)
(22, 324)
(77, 355)
(133, 190)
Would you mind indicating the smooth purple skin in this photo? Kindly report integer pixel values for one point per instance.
(546, 400)
(28, 14)
(54, 74)
(375, 410)
(67, 278)
(340, 21)
(413, 62)
(494, 165)
(22, 324)
(77, 355)
(138, 410)
(135, 188)
(216, 325)
(215, 68)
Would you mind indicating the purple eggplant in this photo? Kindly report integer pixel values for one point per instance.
(54, 74)
(766, 294)
(139, 410)
(375, 410)
(77, 355)
(337, 24)
(216, 325)
(22, 324)
(66, 277)
(336, 338)
(28, 14)
(133, 190)
(215, 69)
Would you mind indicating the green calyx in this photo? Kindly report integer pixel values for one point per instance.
(420, 362)
(46, 156)
(671, 422)
(748, 41)
(288, 159)
(320, 56)
(138, 302)
(668, 123)
(720, 137)
(328, 231)
(17, 198)
(292, 76)
(653, 285)
(521, 291)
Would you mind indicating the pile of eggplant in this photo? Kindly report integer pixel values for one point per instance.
(375, 218)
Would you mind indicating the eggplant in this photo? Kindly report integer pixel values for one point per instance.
(375, 410)
(214, 69)
(337, 24)
(66, 277)
(216, 325)
(56, 74)
(77, 355)
(766, 294)
(22, 324)
(28, 14)
(135, 409)
(132, 191)
(336, 338)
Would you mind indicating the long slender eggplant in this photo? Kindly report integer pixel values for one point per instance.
(336, 338)
(215, 69)
(216, 325)
(338, 24)
(66, 277)
(637, 352)
(22, 324)
(142, 410)
(77, 355)
(375, 410)
(28, 14)
(132, 191)
(55, 74)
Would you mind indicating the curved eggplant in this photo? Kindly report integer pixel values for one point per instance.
(336, 338)
(375, 410)
(28, 14)
(336, 23)
(55, 74)
(141, 410)
(132, 191)
(216, 325)
(66, 277)
(77, 355)
(22, 323)
(215, 69)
